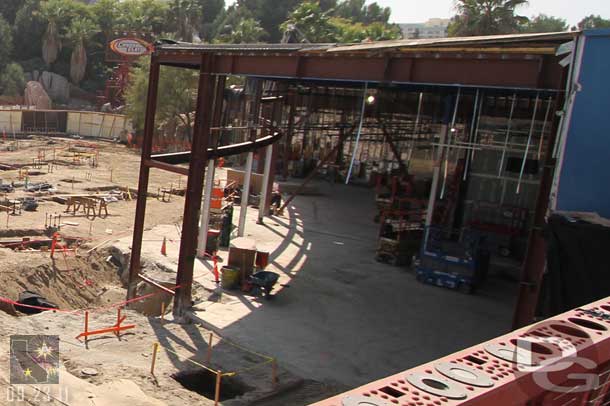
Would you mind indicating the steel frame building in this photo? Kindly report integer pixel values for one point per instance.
(523, 63)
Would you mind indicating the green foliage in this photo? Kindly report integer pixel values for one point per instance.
(6, 39)
(178, 87)
(486, 17)
(592, 22)
(28, 30)
(81, 30)
(270, 13)
(143, 16)
(544, 23)
(12, 80)
(106, 14)
(9, 8)
(311, 23)
(184, 17)
(247, 31)
(358, 11)
(211, 10)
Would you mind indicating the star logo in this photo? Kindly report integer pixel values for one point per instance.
(43, 351)
(27, 373)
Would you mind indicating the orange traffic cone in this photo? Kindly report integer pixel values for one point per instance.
(164, 247)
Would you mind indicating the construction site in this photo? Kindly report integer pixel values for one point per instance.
(341, 218)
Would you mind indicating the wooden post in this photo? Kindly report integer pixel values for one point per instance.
(217, 392)
(118, 322)
(274, 372)
(154, 358)
(162, 311)
(209, 357)
(86, 324)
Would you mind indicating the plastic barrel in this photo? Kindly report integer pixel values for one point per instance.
(229, 278)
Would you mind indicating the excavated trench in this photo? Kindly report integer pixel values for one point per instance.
(65, 281)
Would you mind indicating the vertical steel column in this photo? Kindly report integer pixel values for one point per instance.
(194, 190)
(262, 205)
(244, 195)
(209, 174)
(147, 142)
(205, 211)
(289, 134)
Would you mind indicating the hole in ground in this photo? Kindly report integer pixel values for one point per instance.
(203, 382)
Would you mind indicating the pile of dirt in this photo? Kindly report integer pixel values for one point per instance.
(68, 281)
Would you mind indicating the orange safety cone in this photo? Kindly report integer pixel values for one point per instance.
(164, 247)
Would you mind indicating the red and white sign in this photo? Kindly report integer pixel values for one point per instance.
(130, 47)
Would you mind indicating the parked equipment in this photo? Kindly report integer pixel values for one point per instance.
(455, 264)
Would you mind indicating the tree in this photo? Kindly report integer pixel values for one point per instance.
(6, 38)
(12, 80)
(185, 16)
(592, 22)
(179, 87)
(9, 8)
(311, 23)
(544, 23)
(143, 16)
(106, 14)
(52, 11)
(270, 14)
(211, 10)
(247, 31)
(486, 17)
(29, 29)
(358, 11)
(81, 30)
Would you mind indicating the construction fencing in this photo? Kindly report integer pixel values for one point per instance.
(83, 123)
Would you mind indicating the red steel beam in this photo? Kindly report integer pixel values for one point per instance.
(147, 142)
(194, 189)
(441, 68)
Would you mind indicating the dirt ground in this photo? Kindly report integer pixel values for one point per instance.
(338, 318)
(90, 280)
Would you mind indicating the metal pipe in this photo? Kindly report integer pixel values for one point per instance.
(546, 120)
(262, 204)
(529, 138)
(244, 195)
(415, 126)
(474, 126)
(508, 129)
(362, 110)
(205, 211)
(450, 139)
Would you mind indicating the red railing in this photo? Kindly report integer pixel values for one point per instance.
(564, 360)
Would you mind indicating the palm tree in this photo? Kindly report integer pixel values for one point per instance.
(486, 17)
(247, 31)
(81, 30)
(52, 11)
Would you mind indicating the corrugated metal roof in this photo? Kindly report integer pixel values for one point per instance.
(489, 40)
(185, 46)
(510, 40)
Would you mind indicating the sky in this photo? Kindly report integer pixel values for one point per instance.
(416, 11)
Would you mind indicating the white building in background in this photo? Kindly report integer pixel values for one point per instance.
(433, 28)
